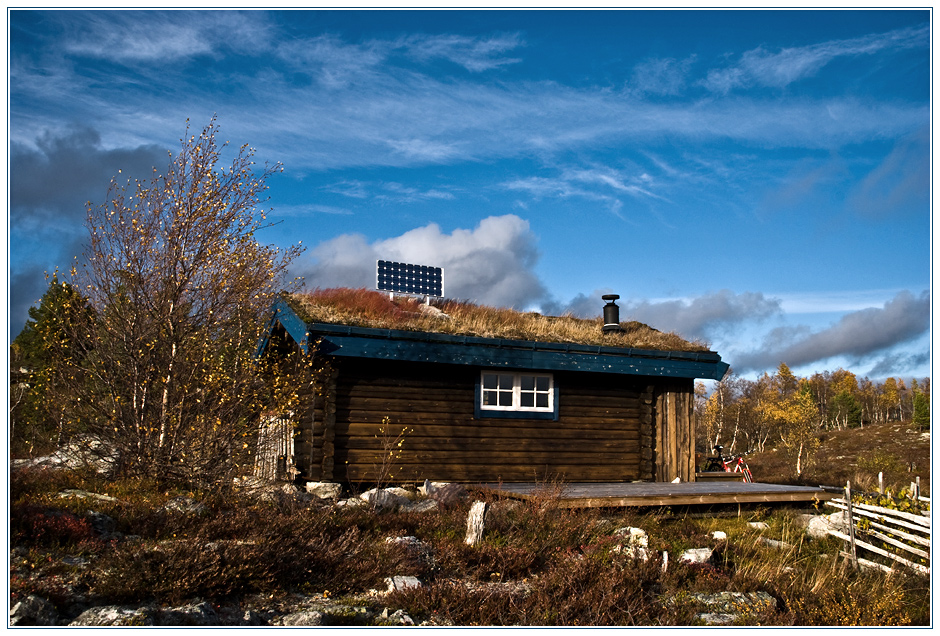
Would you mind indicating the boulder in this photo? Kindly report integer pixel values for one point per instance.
(818, 526)
(401, 583)
(758, 525)
(397, 618)
(385, 499)
(87, 451)
(696, 555)
(116, 616)
(324, 489)
(635, 536)
(425, 505)
(304, 618)
(718, 535)
(33, 610)
(184, 505)
(100, 522)
(193, 615)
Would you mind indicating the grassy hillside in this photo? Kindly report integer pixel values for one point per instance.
(857, 455)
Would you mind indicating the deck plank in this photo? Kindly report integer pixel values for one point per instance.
(639, 494)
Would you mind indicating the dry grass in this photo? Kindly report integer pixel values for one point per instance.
(538, 564)
(365, 308)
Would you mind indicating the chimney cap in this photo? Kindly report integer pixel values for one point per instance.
(610, 297)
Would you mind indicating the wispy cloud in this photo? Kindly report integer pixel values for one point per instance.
(661, 76)
(760, 67)
(476, 54)
(134, 37)
(900, 183)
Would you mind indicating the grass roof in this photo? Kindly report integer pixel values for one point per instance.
(367, 308)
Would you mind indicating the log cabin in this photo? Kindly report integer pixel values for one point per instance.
(458, 392)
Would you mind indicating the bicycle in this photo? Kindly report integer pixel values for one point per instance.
(728, 464)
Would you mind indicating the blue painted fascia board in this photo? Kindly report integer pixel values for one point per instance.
(390, 344)
(296, 328)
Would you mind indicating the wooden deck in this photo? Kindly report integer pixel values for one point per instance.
(639, 494)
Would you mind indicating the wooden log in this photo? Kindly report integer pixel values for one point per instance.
(447, 456)
(506, 430)
(873, 548)
(898, 522)
(412, 443)
(475, 522)
(917, 519)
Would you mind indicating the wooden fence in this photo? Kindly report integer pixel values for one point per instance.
(906, 532)
(274, 456)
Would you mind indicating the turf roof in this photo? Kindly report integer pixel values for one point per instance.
(367, 308)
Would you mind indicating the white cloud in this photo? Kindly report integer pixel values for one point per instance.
(778, 69)
(134, 36)
(859, 334)
(491, 264)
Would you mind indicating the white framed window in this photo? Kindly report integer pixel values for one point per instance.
(521, 392)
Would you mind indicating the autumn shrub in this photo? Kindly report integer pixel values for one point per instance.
(49, 527)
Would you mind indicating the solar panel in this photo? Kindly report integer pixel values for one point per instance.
(404, 278)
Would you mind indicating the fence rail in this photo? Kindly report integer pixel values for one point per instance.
(886, 528)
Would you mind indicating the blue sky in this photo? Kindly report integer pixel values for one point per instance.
(759, 180)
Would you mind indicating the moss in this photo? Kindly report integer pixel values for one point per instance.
(365, 308)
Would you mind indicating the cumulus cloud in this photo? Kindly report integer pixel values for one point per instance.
(858, 334)
(703, 317)
(700, 318)
(492, 263)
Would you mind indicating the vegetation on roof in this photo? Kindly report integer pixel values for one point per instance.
(367, 308)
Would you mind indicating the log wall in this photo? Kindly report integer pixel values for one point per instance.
(605, 431)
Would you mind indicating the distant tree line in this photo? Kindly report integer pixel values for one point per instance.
(782, 409)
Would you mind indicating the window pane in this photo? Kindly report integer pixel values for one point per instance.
(489, 380)
(505, 398)
(505, 382)
(542, 383)
(489, 398)
(527, 399)
(528, 382)
(541, 400)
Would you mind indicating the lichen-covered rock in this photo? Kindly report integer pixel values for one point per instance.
(401, 582)
(324, 489)
(696, 555)
(304, 618)
(184, 505)
(194, 615)
(115, 616)
(635, 536)
(384, 499)
(33, 610)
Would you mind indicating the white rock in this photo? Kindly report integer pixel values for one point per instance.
(323, 489)
(637, 536)
(696, 555)
(401, 582)
(758, 525)
(307, 618)
(109, 615)
(384, 499)
(718, 535)
(636, 552)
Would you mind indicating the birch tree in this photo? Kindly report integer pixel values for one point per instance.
(180, 285)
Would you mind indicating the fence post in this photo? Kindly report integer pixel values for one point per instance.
(881, 483)
(848, 503)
